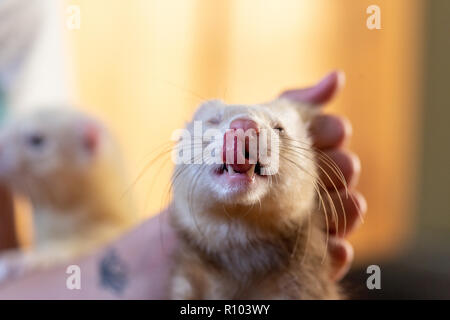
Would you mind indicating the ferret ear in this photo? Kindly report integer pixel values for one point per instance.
(206, 107)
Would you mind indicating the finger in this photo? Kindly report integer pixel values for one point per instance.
(341, 254)
(346, 217)
(319, 94)
(338, 167)
(329, 131)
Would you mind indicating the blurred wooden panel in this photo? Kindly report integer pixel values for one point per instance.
(144, 65)
(132, 61)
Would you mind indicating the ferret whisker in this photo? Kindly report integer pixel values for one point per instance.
(150, 164)
(323, 170)
(154, 180)
(179, 173)
(260, 205)
(190, 197)
(326, 158)
(319, 153)
(248, 210)
(308, 238)
(157, 148)
(325, 214)
(226, 212)
(144, 170)
(332, 207)
(333, 212)
(187, 90)
(329, 162)
(158, 157)
(337, 194)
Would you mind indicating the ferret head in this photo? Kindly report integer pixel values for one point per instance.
(47, 154)
(252, 156)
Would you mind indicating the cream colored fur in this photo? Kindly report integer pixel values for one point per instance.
(265, 243)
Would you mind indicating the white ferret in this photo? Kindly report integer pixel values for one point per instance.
(70, 168)
(250, 230)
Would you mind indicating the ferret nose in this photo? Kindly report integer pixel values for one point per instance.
(244, 124)
(240, 144)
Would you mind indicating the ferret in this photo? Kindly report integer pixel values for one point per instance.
(250, 230)
(70, 168)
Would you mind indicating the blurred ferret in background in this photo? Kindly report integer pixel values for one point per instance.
(70, 168)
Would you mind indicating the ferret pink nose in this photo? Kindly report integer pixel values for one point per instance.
(240, 145)
(244, 124)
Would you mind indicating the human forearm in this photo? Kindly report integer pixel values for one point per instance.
(136, 266)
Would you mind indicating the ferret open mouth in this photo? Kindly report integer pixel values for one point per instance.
(249, 170)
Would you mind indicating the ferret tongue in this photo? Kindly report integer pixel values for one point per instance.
(241, 168)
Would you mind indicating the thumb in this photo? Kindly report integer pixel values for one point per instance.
(319, 94)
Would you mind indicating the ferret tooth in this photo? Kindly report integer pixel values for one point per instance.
(251, 171)
(230, 170)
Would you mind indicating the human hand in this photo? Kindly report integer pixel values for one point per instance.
(329, 134)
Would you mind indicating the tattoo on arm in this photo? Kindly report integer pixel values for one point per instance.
(113, 273)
